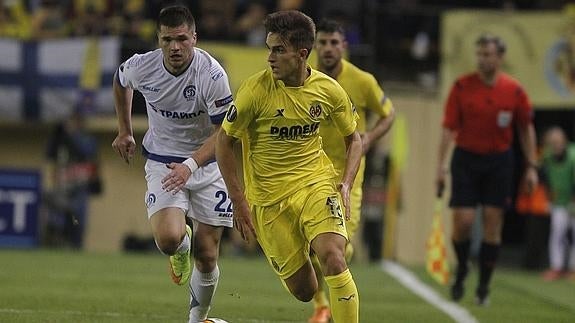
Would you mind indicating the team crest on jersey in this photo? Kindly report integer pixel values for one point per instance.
(190, 92)
(232, 113)
(315, 110)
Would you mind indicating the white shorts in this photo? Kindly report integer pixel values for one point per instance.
(204, 198)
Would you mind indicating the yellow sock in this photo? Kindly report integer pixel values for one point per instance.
(319, 298)
(344, 298)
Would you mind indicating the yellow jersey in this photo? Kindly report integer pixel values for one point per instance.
(365, 94)
(279, 128)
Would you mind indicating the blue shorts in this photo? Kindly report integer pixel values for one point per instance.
(478, 179)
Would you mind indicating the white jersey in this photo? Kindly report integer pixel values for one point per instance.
(181, 109)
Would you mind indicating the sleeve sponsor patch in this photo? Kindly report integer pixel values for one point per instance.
(224, 101)
(216, 74)
(232, 113)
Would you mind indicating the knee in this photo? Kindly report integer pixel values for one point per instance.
(333, 262)
(492, 235)
(462, 230)
(304, 293)
(205, 260)
(168, 244)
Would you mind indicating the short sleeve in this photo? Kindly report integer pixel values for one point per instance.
(218, 95)
(451, 116)
(376, 99)
(343, 115)
(127, 72)
(240, 113)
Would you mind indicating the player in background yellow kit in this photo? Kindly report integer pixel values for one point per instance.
(292, 201)
(365, 94)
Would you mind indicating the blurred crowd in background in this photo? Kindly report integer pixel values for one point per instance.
(408, 51)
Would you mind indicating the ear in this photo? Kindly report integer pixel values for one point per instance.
(303, 53)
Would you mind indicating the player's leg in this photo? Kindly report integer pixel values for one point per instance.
(344, 297)
(173, 238)
(496, 194)
(463, 219)
(571, 274)
(211, 211)
(303, 283)
(559, 227)
(324, 226)
(464, 199)
(322, 313)
(279, 234)
(489, 250)
(166, 213)
(205, 273)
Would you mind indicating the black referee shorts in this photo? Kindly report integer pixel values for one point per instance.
(481, 179)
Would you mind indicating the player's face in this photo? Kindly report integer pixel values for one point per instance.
(177, 45)
(488, 59)
(330, 48)
(285, 61)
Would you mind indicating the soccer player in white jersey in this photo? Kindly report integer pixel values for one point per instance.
(187, 94)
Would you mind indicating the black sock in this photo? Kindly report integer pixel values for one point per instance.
(487, 260)
(462, 253)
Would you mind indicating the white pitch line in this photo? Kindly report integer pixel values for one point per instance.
(117, 315)
(79, 313)
(410, 281)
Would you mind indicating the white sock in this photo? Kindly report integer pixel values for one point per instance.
(202, 290)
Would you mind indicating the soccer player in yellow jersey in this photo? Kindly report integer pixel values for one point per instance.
(366, 95)
(292, 201)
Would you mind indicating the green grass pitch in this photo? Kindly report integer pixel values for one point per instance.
(63, 286)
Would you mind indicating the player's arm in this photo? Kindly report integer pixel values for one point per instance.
(381, 127)
(354, 148)
(445, 146)
(381, 105)
(124, 143)
(228, 165)
(181, 172)
(450, 124)
(528, 144)
(527, 140)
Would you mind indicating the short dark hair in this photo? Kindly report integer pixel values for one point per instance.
(329, 26)
(174, 16)
(294, 27)
(487, 39)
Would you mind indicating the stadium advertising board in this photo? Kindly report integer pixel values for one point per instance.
(19, 205)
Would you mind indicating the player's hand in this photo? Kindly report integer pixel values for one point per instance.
(344, 191)
(125, 145)
(177, 178)
(243, 220)
(440, 181)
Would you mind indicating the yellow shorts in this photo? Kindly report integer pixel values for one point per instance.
(285, 229)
